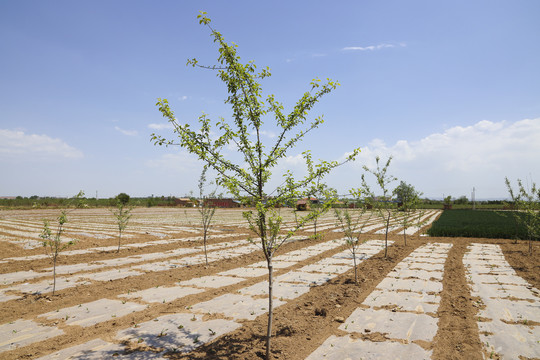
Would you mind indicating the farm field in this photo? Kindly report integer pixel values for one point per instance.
(479, 223)
(437, 297)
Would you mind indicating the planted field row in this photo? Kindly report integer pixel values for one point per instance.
(187, 330)
(137, 318)
(398, 319)
(98, 226)
(509, 315)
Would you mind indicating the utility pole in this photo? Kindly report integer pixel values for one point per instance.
(472, 198)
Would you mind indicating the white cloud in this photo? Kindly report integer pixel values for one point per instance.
(295, 160)
(17, 145)
(268, 134)
(183, 98)
(161, 126)
(459, 158)
(126, 132)
(178, 161)
(373, 47)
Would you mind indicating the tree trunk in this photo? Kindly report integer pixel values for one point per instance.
(386, 236)
(354, 262)
(270, 310)
(54, 275)
(204, 243)
(405, 236)
(119, 239)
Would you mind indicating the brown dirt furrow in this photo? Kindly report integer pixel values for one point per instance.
(526, 265)
(457, 336)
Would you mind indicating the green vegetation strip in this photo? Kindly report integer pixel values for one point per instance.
(479, 223)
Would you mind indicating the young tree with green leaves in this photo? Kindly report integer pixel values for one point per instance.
(383, 204)
(447, 203)
(529, 202)
(247, 178)
(419, 220)
(206, 210)
(53, 243)
(516, 207)
(122, 213)
(408, 199)
(320, 191)
(352, 223)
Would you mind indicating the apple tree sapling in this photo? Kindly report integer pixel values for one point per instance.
(122, 213)
(319, 192)
(383, 205)
(246, 173)
(530, 210)
(408, 199)
(352, 223)
(516, 206)
(206, 210)
(52, 242)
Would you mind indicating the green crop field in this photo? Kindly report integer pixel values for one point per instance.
(478, 223)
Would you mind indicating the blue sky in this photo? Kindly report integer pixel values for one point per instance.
(450, 89)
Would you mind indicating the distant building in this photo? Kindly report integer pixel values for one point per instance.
(304, 204)
(223, 203)
(185, 202)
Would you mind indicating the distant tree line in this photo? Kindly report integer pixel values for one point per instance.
(38, 202)
(150, 201)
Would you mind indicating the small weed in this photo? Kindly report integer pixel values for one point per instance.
(196, 340)
(194, 318)
(180, 327)
(162, 333)
(212, 332)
